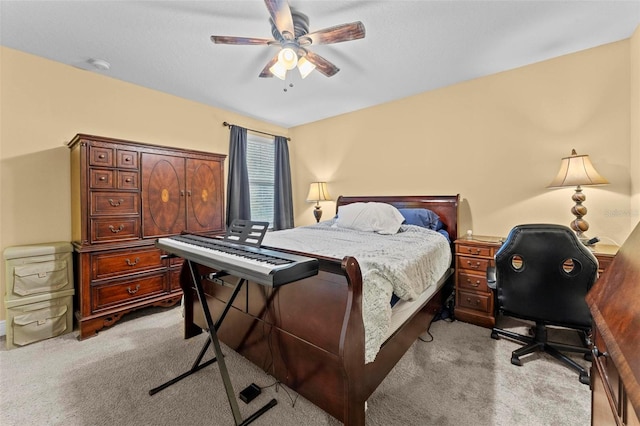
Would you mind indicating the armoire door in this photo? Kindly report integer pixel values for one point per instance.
(163, 195)
(204, 186)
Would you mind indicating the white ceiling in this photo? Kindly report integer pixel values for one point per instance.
(410, 46)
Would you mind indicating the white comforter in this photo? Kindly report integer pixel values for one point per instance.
(406, 264)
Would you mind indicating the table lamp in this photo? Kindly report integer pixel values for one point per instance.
(577, 170)
(318, 192)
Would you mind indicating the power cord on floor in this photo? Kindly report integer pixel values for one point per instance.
(279, 384)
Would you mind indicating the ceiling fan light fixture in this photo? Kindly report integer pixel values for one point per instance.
(288, 58)
(305, 67)
(278, 70)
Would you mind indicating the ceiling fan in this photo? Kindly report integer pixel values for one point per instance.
(290, 30)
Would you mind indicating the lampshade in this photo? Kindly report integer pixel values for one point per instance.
(288, 58)
(278, 70)
(305, 67)
(577, 170)
(318, 192)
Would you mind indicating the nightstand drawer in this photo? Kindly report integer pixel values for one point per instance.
(475, 250)
(472, 282)
(478, 302)
(473, 263)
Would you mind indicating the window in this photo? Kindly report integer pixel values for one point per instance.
(261, 167)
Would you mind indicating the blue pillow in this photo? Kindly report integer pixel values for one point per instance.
(422, 217)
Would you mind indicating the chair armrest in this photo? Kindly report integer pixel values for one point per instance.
(491, 277)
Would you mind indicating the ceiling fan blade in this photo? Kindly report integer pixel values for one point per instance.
(322, 65)
(266, 72)
(337, 34)
(240, 40)
(281, 16)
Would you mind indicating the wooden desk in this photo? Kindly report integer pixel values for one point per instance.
(474, 300)
(615, 372)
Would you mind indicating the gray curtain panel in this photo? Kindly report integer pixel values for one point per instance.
(283, 200)
(238, 198)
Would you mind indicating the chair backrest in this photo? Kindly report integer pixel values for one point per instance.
(543, 273)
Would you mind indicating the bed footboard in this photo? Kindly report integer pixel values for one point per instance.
(309, 335)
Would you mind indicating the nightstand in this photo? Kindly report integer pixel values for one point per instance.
(474, 300)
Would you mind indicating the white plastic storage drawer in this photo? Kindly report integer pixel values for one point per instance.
(38, 269)
(32, 322)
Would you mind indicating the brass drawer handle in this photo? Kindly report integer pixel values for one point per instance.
(476, 266)
(133, 291)
(473, 250)
(473, 284)
(115, 203)
(469, 301)
(116, 230)
(134, 263)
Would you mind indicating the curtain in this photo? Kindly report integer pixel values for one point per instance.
(238, 197)
(283, 203)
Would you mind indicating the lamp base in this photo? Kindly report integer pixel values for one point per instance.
(317, 213)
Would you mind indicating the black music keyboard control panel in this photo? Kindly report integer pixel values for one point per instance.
(264, 266)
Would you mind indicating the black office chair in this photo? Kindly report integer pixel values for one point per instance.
(542, 274)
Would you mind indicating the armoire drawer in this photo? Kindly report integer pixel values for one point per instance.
(123, 262)
(114, 203)
(128, 179)
(102, 178)
(118, 293)
(114, 229)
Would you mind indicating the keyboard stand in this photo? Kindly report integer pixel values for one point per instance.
(213, 338)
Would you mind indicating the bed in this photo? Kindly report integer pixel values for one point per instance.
(310, 335)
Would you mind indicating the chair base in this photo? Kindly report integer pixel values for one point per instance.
(539, 342)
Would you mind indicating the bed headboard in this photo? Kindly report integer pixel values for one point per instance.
(445, 206)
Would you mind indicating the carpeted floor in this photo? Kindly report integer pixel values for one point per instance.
(462, 377)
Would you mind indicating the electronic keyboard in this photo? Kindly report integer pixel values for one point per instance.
(264, 266)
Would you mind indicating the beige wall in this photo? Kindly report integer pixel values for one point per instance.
(634, 114)
(497, 141)
(44, 104)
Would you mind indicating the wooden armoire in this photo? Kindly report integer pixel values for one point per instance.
(124, 196)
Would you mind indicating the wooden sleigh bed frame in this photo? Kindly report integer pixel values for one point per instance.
(309, 335)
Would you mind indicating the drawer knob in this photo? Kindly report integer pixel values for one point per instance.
(127, 159)
(102, 178)
(128, 180)
(116, 230)
(116, 203)
(134, 263)
(101, 156)
(134, 291)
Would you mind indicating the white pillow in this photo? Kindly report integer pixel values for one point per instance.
(370, 217)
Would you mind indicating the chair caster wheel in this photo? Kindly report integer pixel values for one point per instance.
(588, 357)
(494, 335)
(585, 379)
(516, 361)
